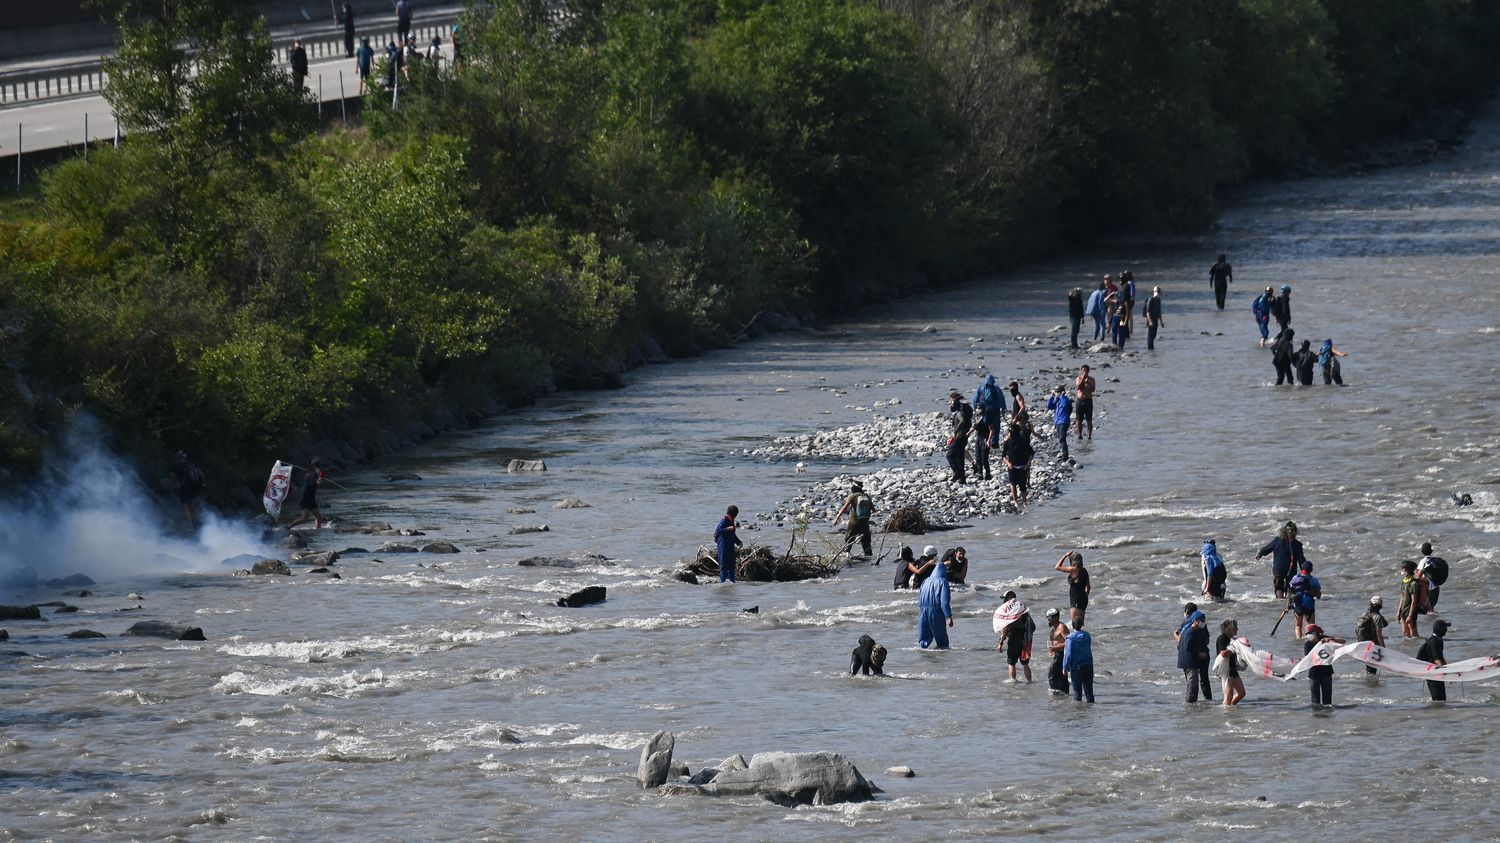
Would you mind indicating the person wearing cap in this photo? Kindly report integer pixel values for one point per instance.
(922, 568)
(1305, 593)
(1432, 651)
(1411, 599)
(1095, 309)
(860, 507)
(1320, 676)
(1057, 641)
(1193, 657)
(1220, 276)
(958, 444)
(1371, 627)
(934, 606)
(1071, 564)
(1083, 407)
(1015, 637)
(1151, 311)
(1078, 661)
(1215, 573)
(1062, 410)
(1281, 307)
(1261, 309)
(1286, 556)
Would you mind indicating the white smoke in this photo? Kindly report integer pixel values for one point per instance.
(91, 514)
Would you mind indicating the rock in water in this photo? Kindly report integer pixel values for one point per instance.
(656, 760)
(569, 503)
(271, 566)
(526, 465)
(396, 478)
(395, 547)
(734, 762)
(530, 528)
(564, 561)
(293, 541)
(796, 778)
(903, 771)
(320, 559)
(4, 636)
(85, 633)
(684, 575)
(704, 776)
(586, 597)
(369, 528)
(64, 609)
(439, 547)
(70, 581)
(20, 613)
(162, 629)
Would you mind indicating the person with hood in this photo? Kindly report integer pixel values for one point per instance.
(1303, 361)
(1234, 686)
(1192, 657)
(1057, 641)
(1261, 309)
(1320, 676)
(1371, 627)
(1078, 661)
(1071, 564)
(727, 540)
(1328, 358)
(905, 566)
(1016, 634)
(1095, 309)
(1075, 314)
(1281, 307)
(989, 404)
(1432, 651)
(1220, 276)
(934, 605)
(1281, 357)
(1151, 311)
(1062, 412)
(860, 507)
(1286, 556)
(958, 444)
(1214, 571)
(1306, 592)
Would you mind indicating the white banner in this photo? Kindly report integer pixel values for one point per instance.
(276, 488)
(1264, 664)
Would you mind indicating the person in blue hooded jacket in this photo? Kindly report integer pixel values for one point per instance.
(727, 541)
(1192, 658)
(934, 606)
(1095, 308)
(1062, 413)
(989, 403)
(1078, 661)
(1214, 571)
(1328, 358)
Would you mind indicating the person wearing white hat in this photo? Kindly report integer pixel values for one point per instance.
(1057, 641)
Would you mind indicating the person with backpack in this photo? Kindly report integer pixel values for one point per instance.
(1432, 651)
(1306, 592)
(1328, 358)
(860, 507)
(1075, 314)
(1412, 599)
(1371, 627)
(1286, 556)
(989, 404)
(1261, 308)
(1281, 357)
(1062, 411)
(1434, 571)
(1215, 573)
(1220, 276)
(1192, 658)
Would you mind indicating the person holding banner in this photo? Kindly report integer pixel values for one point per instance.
(1234, 686)
(1320, 675)
(1432, 651)
(312, 479)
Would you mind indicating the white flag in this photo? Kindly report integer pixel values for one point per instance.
(276, 487)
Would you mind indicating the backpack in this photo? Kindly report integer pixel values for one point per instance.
(1437, 570)
(863, 507)
(1364, 628)
(1303, 593)
(1259, 307)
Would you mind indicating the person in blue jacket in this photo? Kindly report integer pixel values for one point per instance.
(727, 540)
(934, 605)
(1078, 661)
(989, 403)
(1062, 411)
(1214, 571)
(1095, 308)
(1286, 556)
(1261, 308)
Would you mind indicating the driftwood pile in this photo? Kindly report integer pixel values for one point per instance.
(907, 519)
(757, 563)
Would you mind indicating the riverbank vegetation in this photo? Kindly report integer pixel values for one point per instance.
(637, 176)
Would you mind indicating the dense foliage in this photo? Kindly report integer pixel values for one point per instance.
(637, 172)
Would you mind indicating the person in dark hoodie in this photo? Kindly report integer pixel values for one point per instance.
(905, 567)
(1075, 314)
(1220, 276)
(1320, 676)
(989, 405)
(958, 443)
(1281, 307)
(1192, 657)
(1281, 357)
(1286, 556)
(1304, 361)
(934, 606)
(1432, 651)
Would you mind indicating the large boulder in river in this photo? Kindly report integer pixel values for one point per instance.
(320, 559)
(293, 541)
(796, 778)
(584, 597)
(439, 547)
(20, 613)
(85, 633)
(395, 547)
(564, 561)
(69, 581)
(162, 629)
(526, 465)
(270, 566)
(366, 527)
(656, 760)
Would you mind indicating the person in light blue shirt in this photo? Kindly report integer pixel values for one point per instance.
(935, 606)
(1062, 411)
(1078, 661)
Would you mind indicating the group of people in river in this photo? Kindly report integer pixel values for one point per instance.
(1112, 307)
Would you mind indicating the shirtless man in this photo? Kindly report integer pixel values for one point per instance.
(1083, 407)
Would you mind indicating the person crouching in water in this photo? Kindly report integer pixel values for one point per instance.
(934, 605)
(1214, 572)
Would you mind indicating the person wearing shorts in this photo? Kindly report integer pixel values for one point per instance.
(1083, 405)
(1078, 583)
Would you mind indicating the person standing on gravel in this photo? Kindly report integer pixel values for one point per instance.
(1083, 410)
(1016, 453)
(1062, 410)
(989, 403)
(958, 444)
(860, 507)
(1075, 314)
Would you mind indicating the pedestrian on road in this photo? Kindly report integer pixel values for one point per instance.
(1075, 314)
(1062, 411)
(1151, 310)
(1078, 661)
(727, 539)
(346, 17)
(299, 67)
(1432, 651)
(364, 61)
(403, 19)
(1220, 276)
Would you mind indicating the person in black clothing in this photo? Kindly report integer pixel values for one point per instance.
(299, 66)
(958, 443)
(1286, 556)
(1016, 453)
(189, 486)
(403, 19)
(1075, 313)
(1151, 310)
(1371, 627)
(313, 478)
(905, 561)
(1078, 584)
(1321, 676)
(1281, 307)
(1432, 651)
(346, 17)
(1220, 276)
(1304, 360)
(1192, 658)
(1281, 357)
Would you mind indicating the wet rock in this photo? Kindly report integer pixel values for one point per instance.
(781, 390)
(679, 770)
(86, 633)
(82, 592)
(523, 529)
(399, 478)
(564, 561)
(734, 762)
(64, 610)
(135, 595)
(704, 776)
(520, 510)
(293, 541)
(1100, 348)
(930, 329)
(526, 465)
(404, 532)
(439, 547)
(796, 778)
(903, 771)
(569, 503)
(4, 636)
(681, 789)
(368, 528)
(335, 576)
(270, 566)
(753, 610)
(352, 551)
(583, 597)
(684, 575)
(244, 560)
(69, 581)
(904, 435)
(316, 571)
(20, 613)
(162, 629)
(318, 559)
(656, 759)
(394, 547)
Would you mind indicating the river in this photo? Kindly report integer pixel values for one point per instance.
(411, 702)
